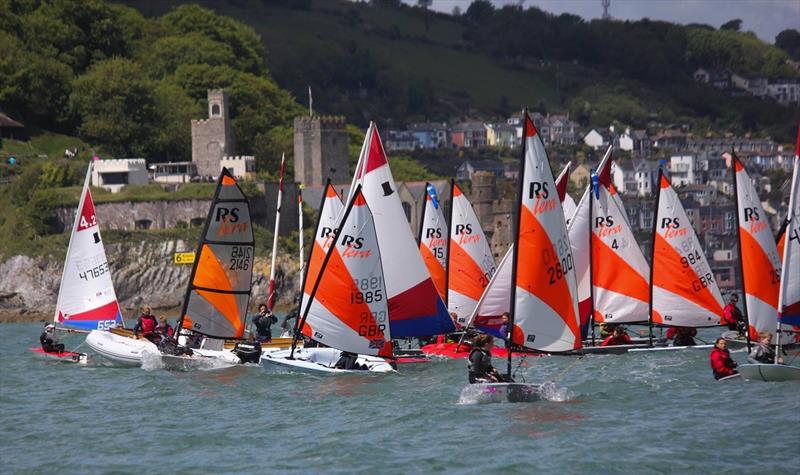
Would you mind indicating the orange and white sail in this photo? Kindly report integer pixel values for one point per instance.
(684, 290)
(761, 265)
(545, 305)
(219, 288)
(433, 240)
(86, 297)
(330, 211)
(348, 309)
(561, 185)
(470, 264)
(789, 295)
(619, 272)
(415, 307)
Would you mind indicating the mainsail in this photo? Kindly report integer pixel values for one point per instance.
(542, 281)
(470, 261)
(789, 296)
(415, 308)
(86, 297)
(684, 290)
(329, 212)
(618, 269)
(219, 288)
(433, 240)
(348, 308)
(761, 266)
(561, 185)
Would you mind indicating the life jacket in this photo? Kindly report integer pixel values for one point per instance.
(148, 324)
(721, 363)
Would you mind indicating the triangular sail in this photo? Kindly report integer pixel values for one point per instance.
(219, 288)
(415, 308)
(433, 240)
(566, 200)
(761, 266)
(620, 273)
(329, 213)
(789, 296)
(86, 298)
(471, 264)
(684, 290)
(349, 308)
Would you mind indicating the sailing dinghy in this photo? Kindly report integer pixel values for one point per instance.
(86, 297)
(789, 292)
(347, 306)
(541, 290)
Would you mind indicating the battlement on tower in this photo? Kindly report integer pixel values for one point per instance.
(320, 150)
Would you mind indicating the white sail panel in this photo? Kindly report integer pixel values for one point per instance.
(684, 290)
(471, 264)
(495, 301)
(86, 297)
(566, 200)
(789, 296)
(329, 214)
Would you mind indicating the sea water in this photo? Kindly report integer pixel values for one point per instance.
(659, 412)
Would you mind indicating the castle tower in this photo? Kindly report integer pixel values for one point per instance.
(320, 150)
(212, 138)
(484, 186)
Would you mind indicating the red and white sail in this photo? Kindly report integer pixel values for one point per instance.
(349, 308)
(545, 307)
(329, 213)
(761, 265)
(619, 272)
(415, 307)
(789, 295)
(433, 240)
(684, 290)
(271, 296)
(471, 264)
(561, 185)
(86, 297)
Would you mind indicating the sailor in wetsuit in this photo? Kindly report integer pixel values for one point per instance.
(49, 340)
(480, 361)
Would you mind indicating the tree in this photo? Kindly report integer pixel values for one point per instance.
(789, 41)
(733, 25)
(479, 11)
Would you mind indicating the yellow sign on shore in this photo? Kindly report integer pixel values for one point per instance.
(183, 258)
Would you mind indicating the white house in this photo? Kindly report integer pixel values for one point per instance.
(115, 174)
(634, 177)
(625, 140)
(173, 172)
(594, 139)
(240, 166)
(684, 170)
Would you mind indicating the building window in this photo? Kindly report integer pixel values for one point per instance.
(142, 224)
(196, 222)
(114, 178)
(215, 110)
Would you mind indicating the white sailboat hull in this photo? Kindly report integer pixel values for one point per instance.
(321, 361)
(483, 393)
(199, 360)
(671, 348)
(769, 372)
(119, 349)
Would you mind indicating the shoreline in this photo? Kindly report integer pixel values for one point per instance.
(25, 315)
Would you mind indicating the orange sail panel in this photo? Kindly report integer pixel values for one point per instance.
(433, 240)
(349, 309)
(546, 306)
(471, 265)
(761, 265)
(684, 290)
(219, 290)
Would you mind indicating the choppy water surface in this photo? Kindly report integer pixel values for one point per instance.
(638, 413)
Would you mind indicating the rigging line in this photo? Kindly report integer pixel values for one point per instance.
(564, 372)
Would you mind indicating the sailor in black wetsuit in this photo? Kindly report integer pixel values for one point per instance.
(49, 340)
(480, 361)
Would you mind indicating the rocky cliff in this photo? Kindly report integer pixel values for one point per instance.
(143, 273)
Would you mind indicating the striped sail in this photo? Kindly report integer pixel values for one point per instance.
(561, 185)
(684, 290)
(415, 307)
(86, 298)
(433, 240)
(471, 264)
(219, 288)
(329, 213)
(789, 295)
(619, 271)
(761, 266)
(349, 308)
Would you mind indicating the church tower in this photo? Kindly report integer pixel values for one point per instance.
(212, 138)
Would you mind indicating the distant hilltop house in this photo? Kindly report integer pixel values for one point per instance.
(11, 129)
(785, 91)
(115, 174)
(637, 142)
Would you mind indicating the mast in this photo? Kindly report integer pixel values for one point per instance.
(271, 297)
(447, 252)
(739, 247)
(422, 215)
(593, 188)
(653, 258)
(300, 224)
(328, 254)
(515, 252)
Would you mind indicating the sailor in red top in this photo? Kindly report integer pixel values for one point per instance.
(146, 324)
(619, 337)
(721, 362)
(731, 315)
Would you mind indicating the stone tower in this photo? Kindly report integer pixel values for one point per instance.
(484, 189)
(212, 138)
(320, 150)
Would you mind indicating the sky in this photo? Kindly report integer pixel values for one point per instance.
(766, 18)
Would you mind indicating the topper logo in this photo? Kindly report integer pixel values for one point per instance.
(350, 241)
(433, 233)
(537, 189)
(463, 229)
(227, 215)
(751, 214)
(670, 223)
(601, 221)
